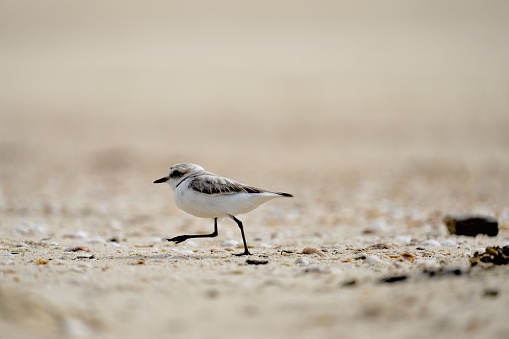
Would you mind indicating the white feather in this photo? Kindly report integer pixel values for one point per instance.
(215, 205)
(218, 205)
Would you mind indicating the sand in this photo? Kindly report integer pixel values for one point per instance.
(380, 120)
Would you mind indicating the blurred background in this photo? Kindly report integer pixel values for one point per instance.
(99, 98)
(379, 116)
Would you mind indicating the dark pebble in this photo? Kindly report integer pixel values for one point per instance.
(393, 279)
(489, 292)
(471, 225)
(256, 262)
(349, 283)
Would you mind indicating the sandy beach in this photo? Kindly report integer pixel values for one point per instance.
(379, 119)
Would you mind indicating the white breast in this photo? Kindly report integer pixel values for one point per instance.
(218, 205)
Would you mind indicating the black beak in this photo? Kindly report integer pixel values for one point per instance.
(158, 181)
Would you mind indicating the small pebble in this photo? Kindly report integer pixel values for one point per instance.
(430, 243)
(490, 292)
(408, 257)
(257, 261)
(373, 259)
(301, 262)
(403, 239)
(313, 250)
(359, 256)
(348, 283)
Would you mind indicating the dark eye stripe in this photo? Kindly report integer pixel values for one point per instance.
(176, 174)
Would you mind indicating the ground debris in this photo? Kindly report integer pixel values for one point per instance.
(491, 256)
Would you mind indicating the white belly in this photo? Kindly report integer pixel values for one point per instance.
(218, 205)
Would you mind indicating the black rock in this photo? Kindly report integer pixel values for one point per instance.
(471, 225)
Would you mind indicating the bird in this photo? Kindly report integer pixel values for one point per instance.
(207, 195)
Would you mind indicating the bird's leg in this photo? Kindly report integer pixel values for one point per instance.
(182, 238)
(246, 251)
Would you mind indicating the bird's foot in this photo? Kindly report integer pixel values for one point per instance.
(246, 252)
(179, 239)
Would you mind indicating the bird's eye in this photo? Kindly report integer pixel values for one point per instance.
(176, 174)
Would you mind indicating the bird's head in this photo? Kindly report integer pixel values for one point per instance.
(178, 173)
